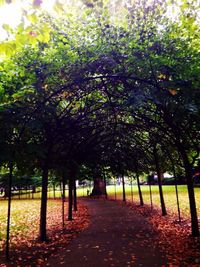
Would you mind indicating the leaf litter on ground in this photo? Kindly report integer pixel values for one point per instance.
(173, 238)
(25, 248)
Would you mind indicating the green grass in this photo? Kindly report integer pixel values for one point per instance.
(82, 191)
(25, 218)
(169, 196)
(26, 212)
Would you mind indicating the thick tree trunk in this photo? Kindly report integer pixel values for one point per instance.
(190, 188)
(43, 210)
(99, 185)
(139, 187)
(159, 174)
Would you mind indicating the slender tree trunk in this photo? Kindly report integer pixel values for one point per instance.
(9, 211)
(139, 187)
(176, 185)
(19, 193)
(124, 190)
(83, 190)
(132, 189)
(54, 190)
(63, 201)
(150, 195)
(104, 179)
(162, 202)
(115, 181)
(61, 189)
(190, 188)
(75, 194)
(32, 194)
(176, 190)
(70, 198)
(43, 211)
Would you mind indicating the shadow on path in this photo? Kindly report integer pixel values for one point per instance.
(116, 237)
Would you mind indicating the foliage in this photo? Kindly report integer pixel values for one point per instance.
(103, 85)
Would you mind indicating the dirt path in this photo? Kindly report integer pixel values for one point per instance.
(116, 237)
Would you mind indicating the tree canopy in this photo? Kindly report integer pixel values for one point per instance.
(102, 83)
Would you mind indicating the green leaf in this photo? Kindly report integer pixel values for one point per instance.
(58, 7)
(2, 2)
(32, 18)
(7, 27)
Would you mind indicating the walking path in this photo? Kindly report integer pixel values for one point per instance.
(116, 237)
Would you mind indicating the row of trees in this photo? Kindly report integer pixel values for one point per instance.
(115, 87)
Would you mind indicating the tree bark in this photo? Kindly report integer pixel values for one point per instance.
(63, 201)
(190, 188)
(176, 190)
(139, 188)
(70, 199)
(123, 187)
(104, 179)
(75, 194)
(159, 174)
(43, 210)
(99, 185)
(9, 210)
(132, 189)
(54, 190)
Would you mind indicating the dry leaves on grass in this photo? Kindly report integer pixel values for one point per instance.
(173, 238)
(25, 250)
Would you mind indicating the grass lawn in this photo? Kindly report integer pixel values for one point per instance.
(26, 212)
(25, 248)
(25, 216)
(81, 192)
(169, 196)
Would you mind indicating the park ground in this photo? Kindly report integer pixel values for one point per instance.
(132, 231)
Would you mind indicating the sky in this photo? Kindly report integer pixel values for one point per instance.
(11, 14)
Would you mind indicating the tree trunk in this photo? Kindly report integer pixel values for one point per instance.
(190, 188)
(70, 196)
(104, 179)
(176, 190)
(99, 185)
(139, 188)
(123, 187)
(176, 184)
(150, 195)
(159, 174)
(115, 181)
(63, 201)
(132, 189)
(75, 194)
(9, 210)
(54, 190)
(43, 211)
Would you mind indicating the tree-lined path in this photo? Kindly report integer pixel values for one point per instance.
(115, 237)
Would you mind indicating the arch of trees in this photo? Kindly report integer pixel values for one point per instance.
(112, 86)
